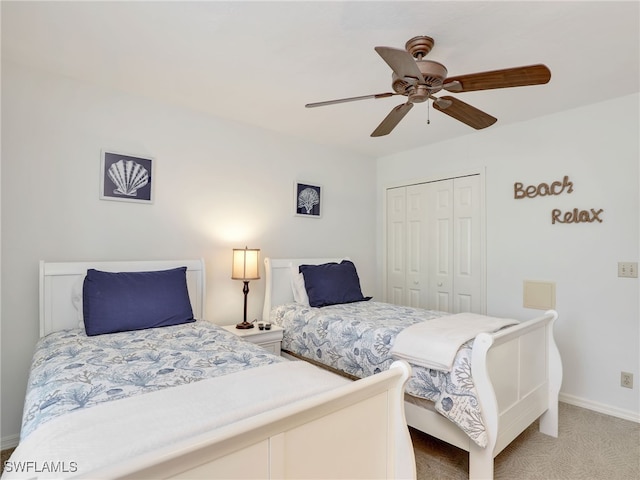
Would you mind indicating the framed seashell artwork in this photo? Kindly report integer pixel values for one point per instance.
(126, 178)
(307, 200)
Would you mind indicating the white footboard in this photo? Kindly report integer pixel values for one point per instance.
(518, 374)
(356, 431)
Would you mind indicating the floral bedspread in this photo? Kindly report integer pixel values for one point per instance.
(71, 370)
(356, 338)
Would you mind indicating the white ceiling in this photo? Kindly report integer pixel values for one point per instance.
(260, 62)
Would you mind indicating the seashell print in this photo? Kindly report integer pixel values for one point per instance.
(128, 176)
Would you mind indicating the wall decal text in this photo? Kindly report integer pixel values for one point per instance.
(543, 189)
(576, 216)
(558, 188)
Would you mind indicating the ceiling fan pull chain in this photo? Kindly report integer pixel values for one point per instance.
(428, 110)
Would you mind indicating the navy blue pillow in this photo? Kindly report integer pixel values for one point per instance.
(123, 301)
(332, 283)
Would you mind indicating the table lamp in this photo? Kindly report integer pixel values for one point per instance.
(245, 267)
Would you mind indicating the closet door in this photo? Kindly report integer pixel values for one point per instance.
(456, 273)
(435, 245)
(407, 275)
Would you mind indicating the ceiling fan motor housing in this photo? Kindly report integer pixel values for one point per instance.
(434, 74)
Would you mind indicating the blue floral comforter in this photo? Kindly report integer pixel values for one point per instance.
(71, 370)
(356, 338)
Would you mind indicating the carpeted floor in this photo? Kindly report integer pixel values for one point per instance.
(4, 456)
(590, 446)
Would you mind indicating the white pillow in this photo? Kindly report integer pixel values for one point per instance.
(76, 300)
(297, 285)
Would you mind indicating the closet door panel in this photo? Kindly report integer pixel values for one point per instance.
(417, 223)
(439, 240)
(396, 241)
(467, 274)
(442, 302)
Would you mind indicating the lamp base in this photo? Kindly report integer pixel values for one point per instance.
(244, 325)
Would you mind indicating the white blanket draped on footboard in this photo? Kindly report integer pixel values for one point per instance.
(106, 434)
(278, 421)
(434, 343)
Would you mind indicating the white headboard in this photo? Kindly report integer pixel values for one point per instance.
(278, 279)
(57, 281)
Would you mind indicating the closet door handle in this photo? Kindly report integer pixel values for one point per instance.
(439, 284)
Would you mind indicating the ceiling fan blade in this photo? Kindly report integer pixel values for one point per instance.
(350, 99)
(391, 120)
(464, 112)
(508, 77)
(401, 62)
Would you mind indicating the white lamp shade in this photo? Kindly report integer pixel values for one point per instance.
(245, 264)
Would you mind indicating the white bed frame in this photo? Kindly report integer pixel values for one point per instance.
(355, 431)
(517, 372)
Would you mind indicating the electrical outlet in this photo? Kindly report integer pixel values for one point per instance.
(626, 379)
(628, 269)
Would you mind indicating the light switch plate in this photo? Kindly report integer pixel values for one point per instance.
(628, 269)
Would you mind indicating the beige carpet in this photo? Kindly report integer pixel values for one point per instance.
(590, 446)
(4, 456)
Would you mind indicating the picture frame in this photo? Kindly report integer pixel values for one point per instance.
(126, 178)
(307, 200)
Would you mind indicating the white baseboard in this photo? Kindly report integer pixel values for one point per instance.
(9, 441)
(600, 407)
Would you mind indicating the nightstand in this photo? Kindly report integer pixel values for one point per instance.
(268, 339)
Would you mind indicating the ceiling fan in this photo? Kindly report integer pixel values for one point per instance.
(419, 79)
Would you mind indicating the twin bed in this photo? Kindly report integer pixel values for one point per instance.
(98, 403)
(497, 385)
(112, 395)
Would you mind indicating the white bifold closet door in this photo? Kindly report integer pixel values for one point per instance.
(434, 245)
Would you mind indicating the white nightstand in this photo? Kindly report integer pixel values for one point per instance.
(267, 339)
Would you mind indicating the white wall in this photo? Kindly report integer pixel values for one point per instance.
(222, 185)
(219, 185)
(598, 147)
